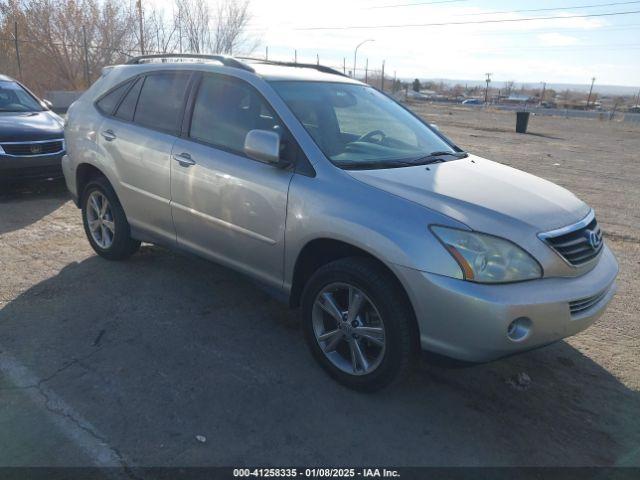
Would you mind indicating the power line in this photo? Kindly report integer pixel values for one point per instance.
(475, 22)
(626, 26)
(567, 47)
(419, 4)
(529, 10)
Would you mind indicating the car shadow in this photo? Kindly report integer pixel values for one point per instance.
(163, 347)
(44, 196)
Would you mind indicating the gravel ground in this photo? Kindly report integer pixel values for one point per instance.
(125, 363)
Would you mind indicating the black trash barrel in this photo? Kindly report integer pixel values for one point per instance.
(522, 121)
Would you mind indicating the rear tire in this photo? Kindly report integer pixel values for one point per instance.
(370, 348)
(105, 222)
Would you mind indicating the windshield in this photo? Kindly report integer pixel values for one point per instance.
(14, 98)
(356, 126)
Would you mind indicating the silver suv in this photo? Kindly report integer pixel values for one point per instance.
(389, 237)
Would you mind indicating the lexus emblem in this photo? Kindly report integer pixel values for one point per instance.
(36, 149)
(593, 239)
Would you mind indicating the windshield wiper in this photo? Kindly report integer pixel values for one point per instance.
(433, 157)
(436, 157)
(374, 164)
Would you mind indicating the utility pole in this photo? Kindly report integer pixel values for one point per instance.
(295, 56)
(590, 92)
(140, 21)
(382, 78)
(544, 87)
(638, 99)
(15, 40)
(266, 53)
(317, 59)
(344, 65)
(486, 90)
(395, 78)
(87, 79)
(366, 71)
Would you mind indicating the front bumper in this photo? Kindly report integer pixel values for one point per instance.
(470, 321)
(30, 167)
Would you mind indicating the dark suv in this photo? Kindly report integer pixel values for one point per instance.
(31, 135)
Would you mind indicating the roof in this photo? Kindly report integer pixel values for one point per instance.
(269, 70)
(301, 73)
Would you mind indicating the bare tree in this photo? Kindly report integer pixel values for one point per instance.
(194, 20)
(65, 43)
(161, 33)
(225, 32)
(229, 34)
(53, 34)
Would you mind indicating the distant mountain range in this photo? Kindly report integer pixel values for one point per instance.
(600, 89)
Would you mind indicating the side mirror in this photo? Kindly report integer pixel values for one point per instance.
(264, 146)
(47, 104)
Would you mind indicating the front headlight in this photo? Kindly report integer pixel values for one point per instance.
(487, 259)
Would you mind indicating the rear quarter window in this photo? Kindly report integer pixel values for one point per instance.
(109, 102)
(127, 107)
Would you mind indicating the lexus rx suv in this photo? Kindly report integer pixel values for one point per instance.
(31, 135)
(389, 237)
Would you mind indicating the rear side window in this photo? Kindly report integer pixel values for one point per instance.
(128, 105)
(109, 102)
(161, 99)
(225, 110)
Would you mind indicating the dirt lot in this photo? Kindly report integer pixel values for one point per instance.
(110, 363)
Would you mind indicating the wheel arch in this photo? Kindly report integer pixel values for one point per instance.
(85, 172)
(319, 252)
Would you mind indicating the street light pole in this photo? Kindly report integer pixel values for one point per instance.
(355, 54)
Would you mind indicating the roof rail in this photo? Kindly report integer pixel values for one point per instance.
(224, 59)
(320, 68)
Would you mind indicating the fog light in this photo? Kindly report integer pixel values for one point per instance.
(519, 329)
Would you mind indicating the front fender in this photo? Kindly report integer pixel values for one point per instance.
(390, 228)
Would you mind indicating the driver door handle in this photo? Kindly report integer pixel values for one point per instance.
(108, 135)
(184, 159)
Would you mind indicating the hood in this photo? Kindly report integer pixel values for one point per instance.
(484, 195)
(25, 126)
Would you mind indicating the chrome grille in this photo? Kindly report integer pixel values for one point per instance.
(577, 244)
(30, 149)
(578, 306)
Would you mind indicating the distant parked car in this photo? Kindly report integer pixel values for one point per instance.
(471, 101)
(413, 95)
(31, 135)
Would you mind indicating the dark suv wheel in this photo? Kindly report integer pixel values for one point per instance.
(358, 323)
(105, 223)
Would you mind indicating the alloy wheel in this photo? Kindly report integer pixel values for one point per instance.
(348, 329)
(100, 219)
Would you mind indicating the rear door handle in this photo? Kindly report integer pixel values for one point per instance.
(184, 159)
(108, 135)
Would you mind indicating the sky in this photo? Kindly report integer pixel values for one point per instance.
(564, 50)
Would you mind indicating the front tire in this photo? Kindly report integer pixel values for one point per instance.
(105, 222)
(358, 323)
